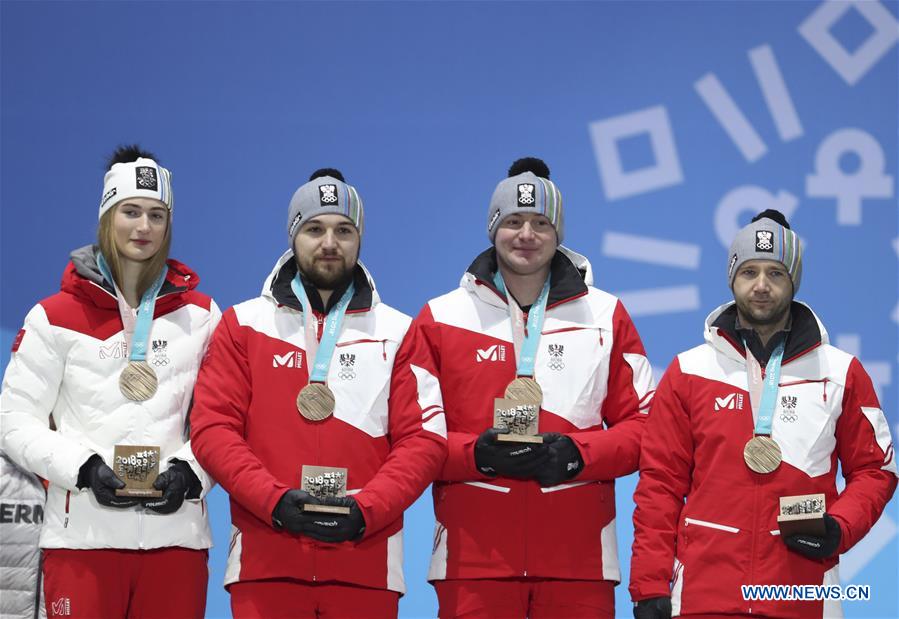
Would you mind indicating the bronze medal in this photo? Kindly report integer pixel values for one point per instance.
(762, 454)
(138, 382)
(525, 389)
(316, 402)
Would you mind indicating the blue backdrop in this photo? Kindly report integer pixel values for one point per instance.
(666, 125)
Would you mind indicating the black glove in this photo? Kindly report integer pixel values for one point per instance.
(335, 528)
(520, 460)
(564, 461)
(653, 608)
(103, 483)
(177, 483)
(288, 513)
(815, 547)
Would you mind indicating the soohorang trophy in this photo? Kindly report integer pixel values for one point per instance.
(324, 482)
(138, 467)
(802, 514)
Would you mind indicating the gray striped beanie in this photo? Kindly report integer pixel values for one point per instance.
(324, 195)
(765, 239)
(525, 193)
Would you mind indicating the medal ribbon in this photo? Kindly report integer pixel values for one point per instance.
(525, 338)
(140, 327)
(322, 351)
(765, 413)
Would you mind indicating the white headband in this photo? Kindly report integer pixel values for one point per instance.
(143, 178)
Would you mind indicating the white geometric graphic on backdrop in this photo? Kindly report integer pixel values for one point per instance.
(748, 199)
(774, 89)
(731, 118)
(666, 170)
(662, 252)
(850, 66)
(662, 300)
(880, 371)
(868, 181)
(651, 250)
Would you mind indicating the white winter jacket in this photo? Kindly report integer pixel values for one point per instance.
(66, 362)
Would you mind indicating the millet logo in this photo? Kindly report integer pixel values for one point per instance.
(116, 350)
(730, 402)
(293, 359)
(497, 352)
(61, 608)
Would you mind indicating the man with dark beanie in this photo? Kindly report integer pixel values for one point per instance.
(297, 378)
(744, 428)
(526, 527)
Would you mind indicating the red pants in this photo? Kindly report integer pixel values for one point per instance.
(167, 583)
(520, 599)
(283, 599)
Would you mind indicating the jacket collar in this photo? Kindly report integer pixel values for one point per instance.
(277, 287)
(570, 274)
(83, 279)
(806, 331)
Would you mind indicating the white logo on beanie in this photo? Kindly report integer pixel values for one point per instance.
(327, 194)
(764, 240)
(146, 178)
(525, 194)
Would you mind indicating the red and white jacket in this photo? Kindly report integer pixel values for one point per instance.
(66, 362)
(247, 431)
(726, 535)
(597, 385)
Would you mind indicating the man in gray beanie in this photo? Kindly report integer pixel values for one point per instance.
(744, 428)
(291, 416)
(545, 386)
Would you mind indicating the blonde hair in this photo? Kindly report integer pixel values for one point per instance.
(152, 267)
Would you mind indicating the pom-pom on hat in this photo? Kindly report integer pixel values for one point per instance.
(325, 193)
(142, 178)
(526, 190)
(767, 237)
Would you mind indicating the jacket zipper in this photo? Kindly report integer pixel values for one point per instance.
(525, 510)
(65, 524)
(823, 382)
(140, 527)
(565, 330)
(320, 322)
(755, 505)
(383, 344)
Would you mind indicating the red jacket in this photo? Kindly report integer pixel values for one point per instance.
(246, 430)
(597, 385)
(726, 535)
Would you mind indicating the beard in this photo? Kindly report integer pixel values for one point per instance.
(754, 316)
(326, 275)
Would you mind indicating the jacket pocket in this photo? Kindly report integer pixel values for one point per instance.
(710, 525)
(714, 559)
(706, 541)
(568, 486)
(486, 486)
